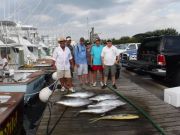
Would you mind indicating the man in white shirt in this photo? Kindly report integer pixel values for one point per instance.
(110, 57)
(62, 62)
(4, 63)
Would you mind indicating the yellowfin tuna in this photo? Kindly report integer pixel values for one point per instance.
(116, 117)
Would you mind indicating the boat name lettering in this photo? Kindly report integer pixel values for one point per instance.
(10, 126)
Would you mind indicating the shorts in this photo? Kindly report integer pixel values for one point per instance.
(63, 74)
(110, 69)
(97, 67)
(89, 68)
(82, 69)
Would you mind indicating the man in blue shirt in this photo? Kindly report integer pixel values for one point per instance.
(96, 61)
(81, 61)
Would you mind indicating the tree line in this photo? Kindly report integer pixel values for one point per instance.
(138, 38)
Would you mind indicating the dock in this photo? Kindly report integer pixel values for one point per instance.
(165, 115)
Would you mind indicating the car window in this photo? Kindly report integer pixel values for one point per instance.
(173, 44)
(132, 47)
(152, 45)
(123, 46)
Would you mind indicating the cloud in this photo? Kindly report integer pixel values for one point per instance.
(42, 18)
(111, 18)
(72, 10)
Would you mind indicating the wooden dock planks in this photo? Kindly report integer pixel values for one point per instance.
(165, 115)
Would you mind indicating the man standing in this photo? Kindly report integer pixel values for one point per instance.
(4, 62)
(63, 61)
(68, 44)
(90, 71)
(110, 57)
(3, 65)
(81, 61)
(96, 61)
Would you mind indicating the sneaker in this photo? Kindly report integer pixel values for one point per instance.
(101, 83)
(104, 86)
(72, 89)
(94, 84)
(114, 86)
(63, 89)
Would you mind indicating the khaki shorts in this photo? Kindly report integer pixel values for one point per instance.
(82, 69)
(109, 69)
(63, 73)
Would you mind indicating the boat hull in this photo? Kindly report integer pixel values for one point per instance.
(30, 88)
(11, 119)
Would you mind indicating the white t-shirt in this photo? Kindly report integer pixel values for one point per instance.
(62, 57)
(3, 62)
(109, 55)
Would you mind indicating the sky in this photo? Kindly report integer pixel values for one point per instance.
(110, 18)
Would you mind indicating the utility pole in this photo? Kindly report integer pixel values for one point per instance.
(92, 35)
(88, 34)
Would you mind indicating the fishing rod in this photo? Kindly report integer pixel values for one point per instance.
(154, 124)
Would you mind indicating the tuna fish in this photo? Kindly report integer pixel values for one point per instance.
(102, 97)
(110, 102)
(98, 110)
(84, 94)
(74, 102)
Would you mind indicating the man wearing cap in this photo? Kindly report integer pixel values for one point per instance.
(96, 61)
(68, 44)
(81, 61)
(110, 57)
(90, 71)
(62, 62)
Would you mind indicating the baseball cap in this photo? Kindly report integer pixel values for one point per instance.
(81, 39)
(97, 39)
(68, 38)
(109, 40)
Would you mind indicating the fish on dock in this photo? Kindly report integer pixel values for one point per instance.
(74, 102)
(116, 117)
(108, 102)
(102, 97)
(84, 94)
(98, 110)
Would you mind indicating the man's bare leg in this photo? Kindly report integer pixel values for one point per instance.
(94, 76)
(80, 79)
(105, 80)
(113, 80)
(102, 76)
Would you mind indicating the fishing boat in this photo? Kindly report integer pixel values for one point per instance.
(11, 113)
(30, 82)
(18, 49)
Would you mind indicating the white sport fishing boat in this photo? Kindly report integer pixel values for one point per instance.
(20, 50)
(13, 44)
(29, 82)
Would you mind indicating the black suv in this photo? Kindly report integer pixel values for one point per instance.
(160, 57)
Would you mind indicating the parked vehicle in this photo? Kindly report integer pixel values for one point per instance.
(122, 48)
(159, 57)
(129, 54)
